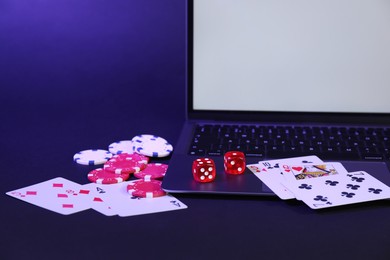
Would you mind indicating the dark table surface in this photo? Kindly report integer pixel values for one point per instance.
(76, 75)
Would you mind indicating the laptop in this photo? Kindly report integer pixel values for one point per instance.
(278, 79)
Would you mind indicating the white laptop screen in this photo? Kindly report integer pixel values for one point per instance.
(292, 56)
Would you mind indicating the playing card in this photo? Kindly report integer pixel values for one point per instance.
(95, 198)
(341, 189)
(58, 195)
(270, 173)
(124, 204)
(298, 172)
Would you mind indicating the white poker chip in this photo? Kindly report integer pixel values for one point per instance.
(125, 146)
(92, 157)
(151, 145)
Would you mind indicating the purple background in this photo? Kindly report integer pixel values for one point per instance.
(76, 75)
(92, 58)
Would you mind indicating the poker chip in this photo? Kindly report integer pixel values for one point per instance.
(145, 189)
(92, 157)
(101, 176)
(125, 146)
(152, 171)
(126, 163)
(152, 146)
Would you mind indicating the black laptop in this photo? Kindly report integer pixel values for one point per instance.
(278, 79)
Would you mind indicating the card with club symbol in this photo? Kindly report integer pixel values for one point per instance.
(297, 172)
(340, 189)
(271, 173)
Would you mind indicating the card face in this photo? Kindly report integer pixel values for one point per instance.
(299, 172)
(59, 195)
(95, 198)
(123, 204)
(67, 197)
(307, 171)
(340, 189)
(270, 173)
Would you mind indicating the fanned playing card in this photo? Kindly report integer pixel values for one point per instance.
(270, 173)
(95, 198)
(122, 203)
(341, 189)
(299, 172)
(59, 195)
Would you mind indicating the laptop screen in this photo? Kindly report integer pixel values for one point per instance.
(291, 56)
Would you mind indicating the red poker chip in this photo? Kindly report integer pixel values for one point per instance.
(152, 171)
(126, 163)
(101, 176)
(146, 189)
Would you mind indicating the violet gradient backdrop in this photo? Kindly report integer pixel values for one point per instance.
(89, 71)
(91, 54)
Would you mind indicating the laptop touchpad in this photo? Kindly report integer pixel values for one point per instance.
(377, 169)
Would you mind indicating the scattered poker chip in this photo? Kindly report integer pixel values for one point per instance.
(126, 163)
(152, 146)
(92, 157)
(125, 146)
(152, 171)
(145, 189)
(101, 176)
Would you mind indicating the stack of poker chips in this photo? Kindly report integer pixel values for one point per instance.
(126, 158)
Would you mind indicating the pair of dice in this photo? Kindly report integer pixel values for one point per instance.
(203, 169)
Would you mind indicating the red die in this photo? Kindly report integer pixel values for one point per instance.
(203, 170)
(234, 162)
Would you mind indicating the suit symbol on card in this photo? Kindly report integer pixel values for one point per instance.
(58, 185)
(347, 194)
(357, 179)
(331, 183)
(304, 161)
(353, 187)
(97, 199)
(298, 168)
(320, 198)
(375, 191)
(305, 186)
(85, 192)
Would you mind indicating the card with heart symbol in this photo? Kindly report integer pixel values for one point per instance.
(299, 172)
(270, 172)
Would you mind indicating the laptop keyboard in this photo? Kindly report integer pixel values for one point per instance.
(328, 143)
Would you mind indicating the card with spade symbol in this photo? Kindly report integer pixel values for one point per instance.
(340, 189)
